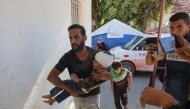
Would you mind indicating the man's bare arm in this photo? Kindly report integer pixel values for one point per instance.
(53, 77)
(157, 97)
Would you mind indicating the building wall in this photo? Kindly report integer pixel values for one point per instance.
(166, 18)
(33, 37)
(165, 21)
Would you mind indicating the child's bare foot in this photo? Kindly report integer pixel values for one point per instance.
(125, 107)
(48, 99)
(47, 96)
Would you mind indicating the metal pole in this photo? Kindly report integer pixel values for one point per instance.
(159, 34)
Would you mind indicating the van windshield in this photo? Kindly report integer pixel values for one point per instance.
(130, 44)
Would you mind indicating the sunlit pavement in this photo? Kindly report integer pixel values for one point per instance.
(140, 81)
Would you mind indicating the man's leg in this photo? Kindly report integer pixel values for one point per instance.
(161, 75)
(78, 102)
(91, 102)
(150, 81)
(187, 106)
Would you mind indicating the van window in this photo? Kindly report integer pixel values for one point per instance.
(144, 44)
(130, 44)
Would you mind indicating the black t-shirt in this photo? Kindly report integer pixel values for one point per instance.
(81, 68)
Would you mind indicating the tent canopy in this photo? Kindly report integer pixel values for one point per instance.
(115, 33)
(116, 27)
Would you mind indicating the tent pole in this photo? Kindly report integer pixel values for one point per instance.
(159, 34)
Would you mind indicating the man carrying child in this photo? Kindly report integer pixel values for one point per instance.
(102, 60)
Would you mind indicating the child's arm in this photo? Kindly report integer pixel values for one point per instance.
(130, 80)
(75, 78)
(111, 84)
(84, 84)
(87, 84)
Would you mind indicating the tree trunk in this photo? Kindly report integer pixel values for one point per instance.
(95, 12)
(144, 21)
(97, 21)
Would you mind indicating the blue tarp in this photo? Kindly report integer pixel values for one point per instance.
(112, 42)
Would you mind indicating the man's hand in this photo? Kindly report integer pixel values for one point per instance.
(102, 74)
(150, 49)
(155, 97)
(150, 60)
(75, 78)
(184, 51)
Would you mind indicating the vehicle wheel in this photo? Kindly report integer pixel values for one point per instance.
(129, 66)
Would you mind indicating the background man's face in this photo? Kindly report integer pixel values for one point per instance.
(76, 39)
(179, 27)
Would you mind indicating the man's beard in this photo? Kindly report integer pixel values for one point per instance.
(79, 47)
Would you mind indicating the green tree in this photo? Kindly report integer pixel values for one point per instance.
(149, 11)
(105, 10)
(141, 12)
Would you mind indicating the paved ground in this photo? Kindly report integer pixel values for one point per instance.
(140, 81)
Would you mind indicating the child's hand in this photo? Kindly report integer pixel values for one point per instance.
(74, 77)
(129, 87)
(112, 88)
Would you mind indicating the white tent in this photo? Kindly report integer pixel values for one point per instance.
(116, 27)
(115, 33)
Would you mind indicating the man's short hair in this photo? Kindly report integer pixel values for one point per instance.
(116, 64)
(74, 26)
(180, 16)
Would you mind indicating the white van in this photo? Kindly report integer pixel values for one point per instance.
(132, 54)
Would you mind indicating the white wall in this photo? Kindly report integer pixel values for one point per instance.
(33, 36)
(88, 21)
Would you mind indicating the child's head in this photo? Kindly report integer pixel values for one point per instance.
(102, 59)
(116, 66)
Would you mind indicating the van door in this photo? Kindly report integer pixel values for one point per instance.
(140, 54)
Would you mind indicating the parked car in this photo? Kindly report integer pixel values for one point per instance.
(132, 54)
